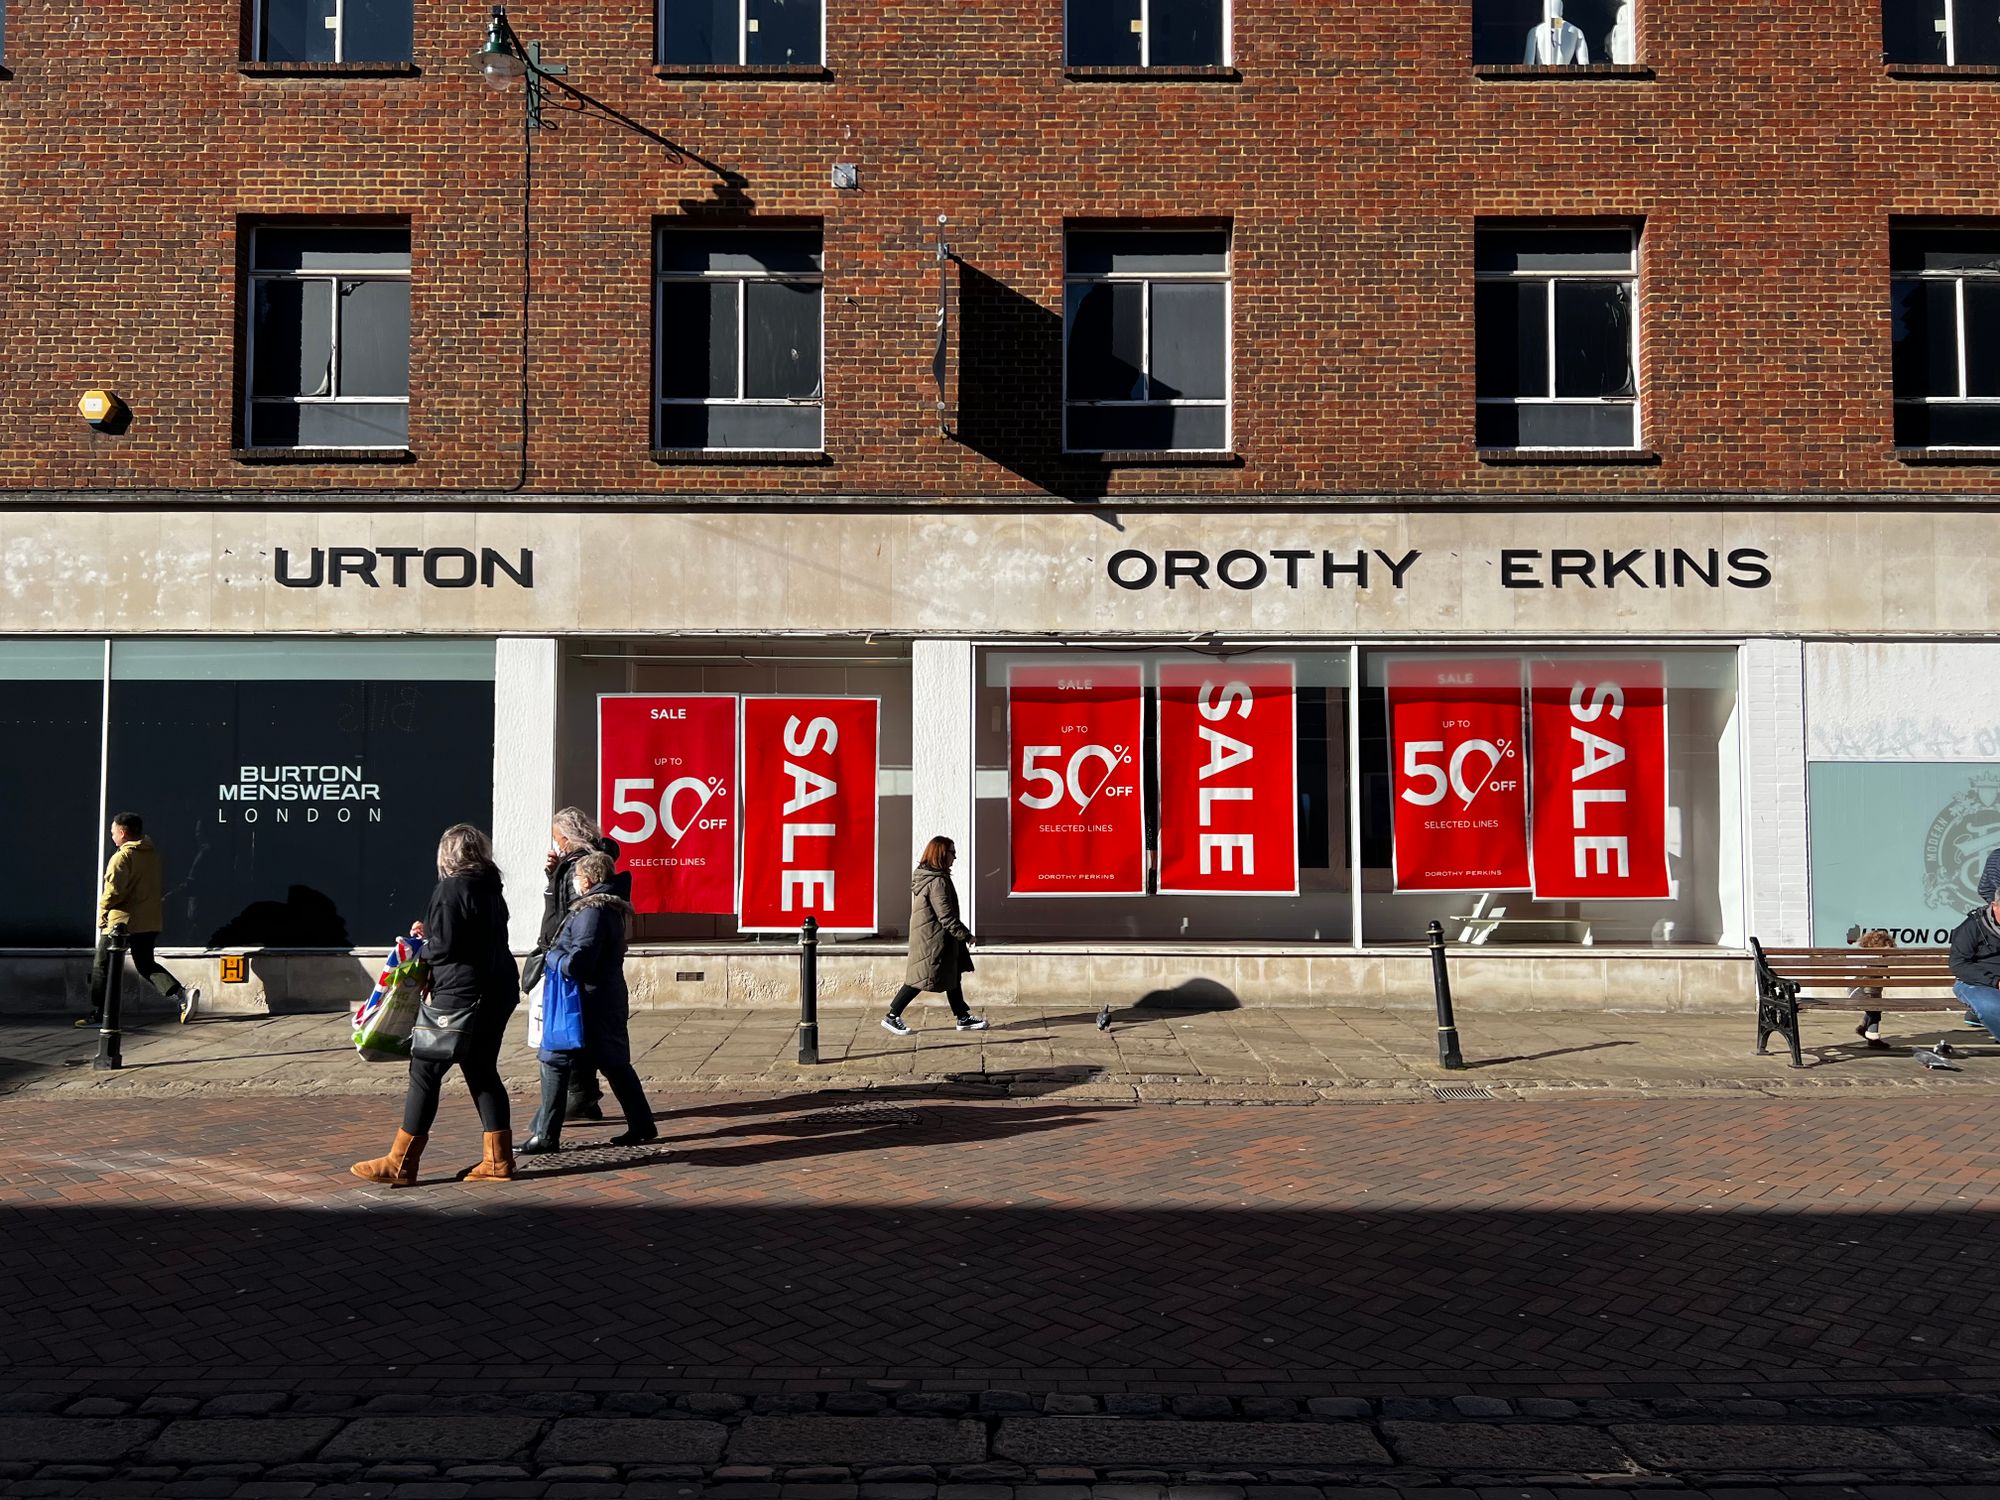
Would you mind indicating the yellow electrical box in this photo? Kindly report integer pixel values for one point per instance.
(235, 968)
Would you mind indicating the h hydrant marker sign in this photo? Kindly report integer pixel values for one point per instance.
(1458, 774)
(1229, 819)
(1600, 731)
(1075, 741)
(666, 790)
(809, 815)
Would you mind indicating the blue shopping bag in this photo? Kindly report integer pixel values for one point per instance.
(562, 1008)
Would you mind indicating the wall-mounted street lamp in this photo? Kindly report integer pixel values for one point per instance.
(506, 62)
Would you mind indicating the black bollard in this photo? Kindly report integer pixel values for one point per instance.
(110, 1041)
(809, 991)
(1448, 1054)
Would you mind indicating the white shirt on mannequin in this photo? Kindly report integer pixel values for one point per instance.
(1556, 43)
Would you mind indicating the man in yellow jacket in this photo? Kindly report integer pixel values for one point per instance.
(132, 899)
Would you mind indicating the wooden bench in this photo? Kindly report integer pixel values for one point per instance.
(1784, 975)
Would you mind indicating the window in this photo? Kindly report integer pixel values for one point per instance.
(739, 339)
(1146, 341)
(353, 31)
(1558, 332)
(1146, 33)
(727, 33)
(1945, 334)
(1552, 33)
(1950, 33)
(329, 338)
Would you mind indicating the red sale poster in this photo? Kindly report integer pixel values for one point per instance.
(666, 790)
(1229, 797)
(809, 817)
(1600, 776)
(1075, 735)
(1459, 794)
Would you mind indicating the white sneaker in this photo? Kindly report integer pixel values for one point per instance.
(190, 998)
(895, 1024)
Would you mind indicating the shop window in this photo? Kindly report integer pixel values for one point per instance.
(730, 33)
(1146, 341)
(328, 346)
(1558, 338)
(1945, 334)
(1945, 33)
(1554, 33)
(333, 31)
(297, 788)
(51, 743)
(739, 339)
(1146, 33)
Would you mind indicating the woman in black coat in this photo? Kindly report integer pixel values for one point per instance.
(465, 944)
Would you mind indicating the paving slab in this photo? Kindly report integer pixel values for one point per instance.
(857, 1440)
(632, 1440)
(1184, 1445)
(1531, 1448)
(71, 1440)
(454, 1438)
(253, 1440)
(1753, 1449)
(1953, 1448)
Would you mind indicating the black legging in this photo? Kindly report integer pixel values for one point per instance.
(481, 1067)
(952, 994)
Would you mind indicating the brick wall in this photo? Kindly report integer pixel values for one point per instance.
(1353, 158)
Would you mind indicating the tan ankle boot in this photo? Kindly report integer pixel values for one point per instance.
(399, 1167)
(498, 1163)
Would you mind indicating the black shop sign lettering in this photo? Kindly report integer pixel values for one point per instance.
(401, 567)
(1245, 569)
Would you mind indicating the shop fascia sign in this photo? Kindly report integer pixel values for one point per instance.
(1246, 569)
(402, 567)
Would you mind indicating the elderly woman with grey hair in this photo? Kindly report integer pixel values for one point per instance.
(465, 943)
(573, 833)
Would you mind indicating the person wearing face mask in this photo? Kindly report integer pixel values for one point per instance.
(1554, 43)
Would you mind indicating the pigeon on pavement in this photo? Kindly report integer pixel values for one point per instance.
(1931, 1060)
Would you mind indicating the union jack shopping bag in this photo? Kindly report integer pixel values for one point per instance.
(384, 1020)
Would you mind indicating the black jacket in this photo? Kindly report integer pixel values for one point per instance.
(1975, 948)
(465, 943)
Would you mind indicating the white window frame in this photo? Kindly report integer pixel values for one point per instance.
(1227, 60)
(1958, 279)
(1226, 276)
(741, 60)
(799, 278)
(338, 28)
(251, 400)
(1636, 400)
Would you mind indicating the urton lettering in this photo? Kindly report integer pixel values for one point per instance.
(437, 567)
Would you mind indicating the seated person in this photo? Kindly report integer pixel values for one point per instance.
(1975, 964)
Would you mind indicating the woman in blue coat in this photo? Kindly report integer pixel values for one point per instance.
(590, 949)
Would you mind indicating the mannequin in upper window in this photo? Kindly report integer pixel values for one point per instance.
(1620, 43)
(1554, 42)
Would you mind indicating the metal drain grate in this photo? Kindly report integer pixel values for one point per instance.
(1460, 1091)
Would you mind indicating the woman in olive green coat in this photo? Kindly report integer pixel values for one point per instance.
(939, 941)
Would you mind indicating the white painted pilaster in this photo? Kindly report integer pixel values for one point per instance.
(524, 774)
(941, 708)
(1772, 713)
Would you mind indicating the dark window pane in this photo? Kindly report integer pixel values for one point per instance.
(353, 425)
(1498, 426)
(693, 251)
(1594, 339)
(3, 30)
(1097, 429)
(1513, 338)
(700, 31)
(1924, 338)
(1093, 253)
(1978, 28)
(1947, 426)
(1186, 33)
(1102, 33)
(1516, 250)
(780, 340)
(297, 31)
(1607, 27)
(729, 426)
(329, 248)
(698, 338)
(1945, 250)
(49, 747)
(374, 338)
(1190, 328)
(1577, 426)
(1106, 325)
(377, 31)
(1499, 28)
(273, 425)
(1982, 338)
(1913, 31)
(292, 339)
(782, 31)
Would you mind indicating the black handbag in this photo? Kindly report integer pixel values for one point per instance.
(440, 1034)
